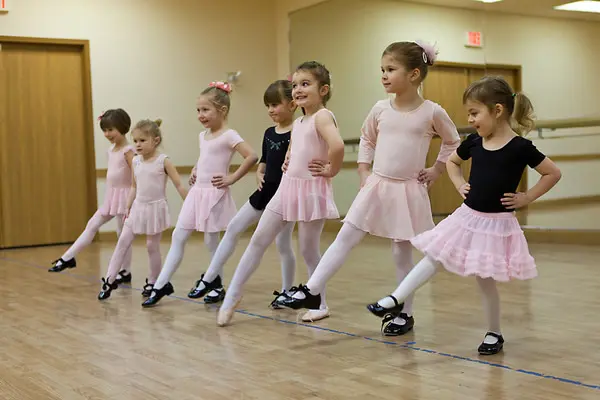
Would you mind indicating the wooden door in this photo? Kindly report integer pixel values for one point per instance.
(46, 143)
(445, 85)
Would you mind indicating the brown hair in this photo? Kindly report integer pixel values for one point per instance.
(320, 73)
(412, 55)
(492, 90)
(115, 119)
(277, 92)
(219, 98)
(151, 128)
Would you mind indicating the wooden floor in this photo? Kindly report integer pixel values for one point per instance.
(58, 342)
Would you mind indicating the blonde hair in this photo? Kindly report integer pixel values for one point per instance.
(219, 98)
(151, 128)
(492, 90)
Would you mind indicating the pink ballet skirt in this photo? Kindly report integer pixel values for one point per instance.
(149, 218)
(207, 209)
(115, 201)
(300, 199)
(390, 208)
(488, 245)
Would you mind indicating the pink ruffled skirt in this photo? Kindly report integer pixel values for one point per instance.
(207, 209)
(299, 199)
(488, 245)
(115, 201)
(393, 209)
(149, 218)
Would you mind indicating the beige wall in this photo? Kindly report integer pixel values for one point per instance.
(559, 66)
(153, 57)
(283, 10)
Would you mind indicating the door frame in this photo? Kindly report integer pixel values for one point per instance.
(517, 68)
(84, 47)
(518, 86)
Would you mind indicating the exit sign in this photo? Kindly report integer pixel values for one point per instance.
(474, 39)
(4, 5)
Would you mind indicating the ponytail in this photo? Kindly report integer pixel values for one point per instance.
(523, 114)
(492, 90)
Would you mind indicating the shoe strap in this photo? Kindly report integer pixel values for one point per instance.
(494, 334)
(395, 301)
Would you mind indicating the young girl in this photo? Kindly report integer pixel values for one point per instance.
(483, 237)
(278, 99)
(305, 194)
(209, 206)
(147, 208)
(115, 124)
(393, 201)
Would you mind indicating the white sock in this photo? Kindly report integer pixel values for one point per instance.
(419, 275)
(268, 228)
(309, 238)
(402, 253)
(246, 216)
(491, 306)
(333, 259)
(283, 241)
(489, 339)
(174, 257)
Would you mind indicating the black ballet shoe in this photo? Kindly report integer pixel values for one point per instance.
(123, 277)
(381, 311)
(393, 329)
(147, 289)
(310, 301)
(277, 303)
(486, 349)
(196, 293)
(106, 289)
(158, 294)
(208, 299)
(63, 265)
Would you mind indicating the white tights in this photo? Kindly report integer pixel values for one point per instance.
(425, 270)
(87, 236)
(124, 246)
(175, 254)
(269, 226)
(247, 216)
(333, 259)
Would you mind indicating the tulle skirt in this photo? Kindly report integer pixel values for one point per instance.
(115, 201)
(299, 199)
(149, 218)
(488, 245)
(207, 209)
(393, 209)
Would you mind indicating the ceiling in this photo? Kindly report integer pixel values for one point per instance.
(523, 7)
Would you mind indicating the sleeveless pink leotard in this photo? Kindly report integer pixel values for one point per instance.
(206, 208)
(118, 182)
(149, 213)
(301, 196)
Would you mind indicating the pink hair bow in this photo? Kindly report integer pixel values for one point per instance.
(101, 115)
(221, 85)
(429, 52)
(289, 77)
